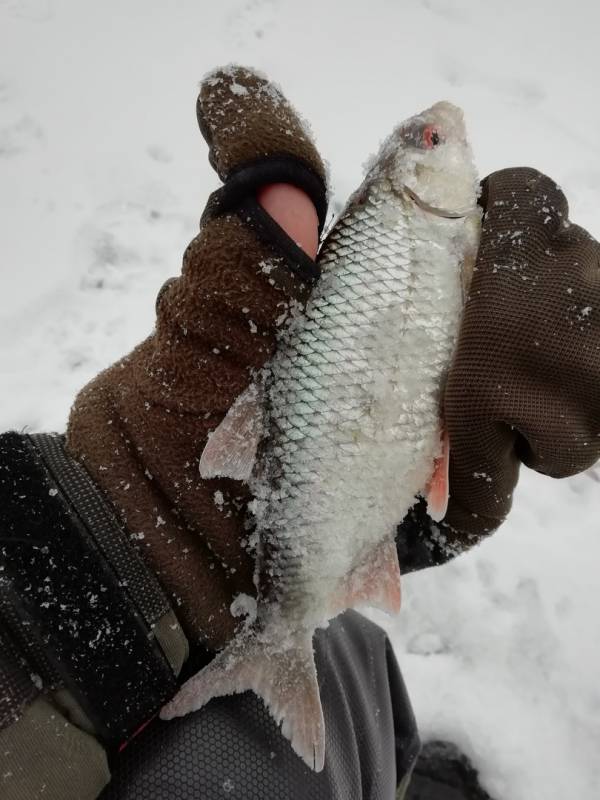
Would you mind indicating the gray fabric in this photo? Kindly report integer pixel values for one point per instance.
(233, 749)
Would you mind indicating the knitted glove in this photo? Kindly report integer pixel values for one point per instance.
(525, 382)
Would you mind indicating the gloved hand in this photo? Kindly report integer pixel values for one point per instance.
(141, 425)
(525, 382)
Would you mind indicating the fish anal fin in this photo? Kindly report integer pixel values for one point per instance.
(285, 679)
(437, 491)
(231, 448)
(374, 582)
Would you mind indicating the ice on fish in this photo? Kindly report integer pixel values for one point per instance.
(341, 431)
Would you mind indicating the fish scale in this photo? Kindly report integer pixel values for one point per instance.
(352, 295)
(341, 430)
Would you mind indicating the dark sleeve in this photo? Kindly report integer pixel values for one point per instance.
(423, 543)
(233, 749)
(16, 687)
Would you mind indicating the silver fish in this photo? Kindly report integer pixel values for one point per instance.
(342, 429)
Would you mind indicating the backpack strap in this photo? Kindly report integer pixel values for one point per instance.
(80, 591)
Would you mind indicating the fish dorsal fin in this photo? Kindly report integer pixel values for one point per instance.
(374, 582)
(284, 677)
(231, 448)
(437, 490)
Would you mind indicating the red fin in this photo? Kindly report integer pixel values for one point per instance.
(285, 679)
(374, 582)
(437, 490)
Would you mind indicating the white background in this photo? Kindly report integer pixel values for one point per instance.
(103, 176)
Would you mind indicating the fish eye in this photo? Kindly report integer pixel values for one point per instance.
(422, 136)
(431, 137)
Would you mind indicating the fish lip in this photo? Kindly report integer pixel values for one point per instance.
(447, 213)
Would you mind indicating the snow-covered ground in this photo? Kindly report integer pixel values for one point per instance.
(103, 175)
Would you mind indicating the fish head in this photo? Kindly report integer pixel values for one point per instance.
(429, 157)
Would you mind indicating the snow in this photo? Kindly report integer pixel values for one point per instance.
(103, 176)
(244, 605)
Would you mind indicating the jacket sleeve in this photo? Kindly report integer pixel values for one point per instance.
(72, 685)
(45, 751)
(44, 756)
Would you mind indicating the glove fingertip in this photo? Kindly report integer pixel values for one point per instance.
(244, 117)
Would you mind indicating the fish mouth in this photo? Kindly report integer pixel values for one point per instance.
(447, 213)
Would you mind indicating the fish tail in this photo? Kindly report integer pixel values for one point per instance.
(285, 677)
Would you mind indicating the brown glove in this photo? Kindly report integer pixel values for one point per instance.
(141, 425)
(525, 382)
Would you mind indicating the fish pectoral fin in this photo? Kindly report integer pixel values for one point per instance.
(437, 491)
(374, 582)
(230, 451)
(285, 679)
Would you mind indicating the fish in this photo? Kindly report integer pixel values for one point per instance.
(342, 431)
